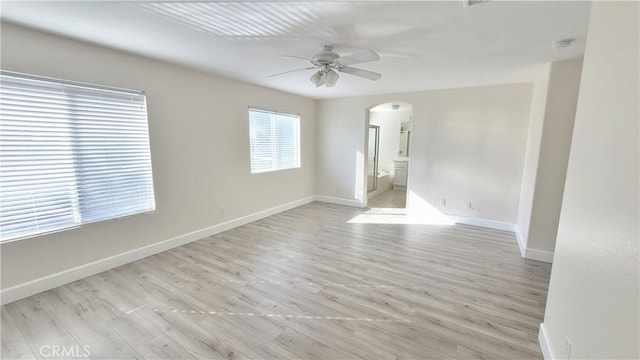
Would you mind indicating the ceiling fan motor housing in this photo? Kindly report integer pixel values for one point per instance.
(324, 58)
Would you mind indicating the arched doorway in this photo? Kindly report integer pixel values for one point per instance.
(388, 151)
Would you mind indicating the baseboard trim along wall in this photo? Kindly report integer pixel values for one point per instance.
(527, 253)
(533, 254)
(339, 201)
(545, 345)
(521, 245)
(36, 286)
(498, 225)
(539, 255)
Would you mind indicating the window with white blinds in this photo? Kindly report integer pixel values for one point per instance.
(274, 140)
(70, 154)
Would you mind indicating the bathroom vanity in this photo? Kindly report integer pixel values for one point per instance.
(401, 172)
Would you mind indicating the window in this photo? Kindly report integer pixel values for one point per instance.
(274, 140)
(70, 154)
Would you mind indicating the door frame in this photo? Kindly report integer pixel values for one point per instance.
(376, 157)
(362, 165)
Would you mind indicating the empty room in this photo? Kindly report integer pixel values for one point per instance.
(319, 179)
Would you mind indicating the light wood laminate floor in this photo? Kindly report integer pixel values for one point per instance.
(303, 284)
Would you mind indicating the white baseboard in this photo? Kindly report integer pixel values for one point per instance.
(498, 225)
(545, 345)
(533, 254)
(521, 245)
(527, 253)
(539, 255)
(339, 201)
(64, 277)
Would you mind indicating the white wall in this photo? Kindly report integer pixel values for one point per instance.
(467, 145)
(594, 288)
(532, 155)
(550, 130)
(564, 83)
(199, 146)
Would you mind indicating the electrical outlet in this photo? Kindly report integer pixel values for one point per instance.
(567, 349)
(467, 205)
(221, 211)
(443, 202)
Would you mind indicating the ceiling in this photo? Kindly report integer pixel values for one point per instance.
(422, 44)
(386, 107)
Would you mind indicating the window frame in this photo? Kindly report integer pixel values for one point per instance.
(274, 145)
(76, 177)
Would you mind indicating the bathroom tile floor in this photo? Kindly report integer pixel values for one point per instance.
(389, 199)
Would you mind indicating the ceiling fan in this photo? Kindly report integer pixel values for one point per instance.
(328, 62)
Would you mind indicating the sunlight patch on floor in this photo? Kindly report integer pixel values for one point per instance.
(399, 216)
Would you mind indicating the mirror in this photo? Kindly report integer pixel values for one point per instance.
(405, 138)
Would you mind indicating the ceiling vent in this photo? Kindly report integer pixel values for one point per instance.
(468, 3)
(562, 43)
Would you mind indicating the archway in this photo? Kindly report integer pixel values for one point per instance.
(387, 151)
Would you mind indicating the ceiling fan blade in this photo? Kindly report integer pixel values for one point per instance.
(290, 71)
(361, 73)
(359, 58)
(297, 57)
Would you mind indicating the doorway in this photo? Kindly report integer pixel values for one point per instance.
(388, 150)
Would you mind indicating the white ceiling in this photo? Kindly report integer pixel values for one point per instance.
(402, 106)
(423, 44)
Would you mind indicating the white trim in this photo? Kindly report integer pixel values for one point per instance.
(64, 277)
(539, 255)
(527, 253)
(533, 254)
(339, 201)
(45, 283)
(521, 245)
(545, 345)
(491, 224)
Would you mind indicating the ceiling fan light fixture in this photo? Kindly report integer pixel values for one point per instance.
(319, 78)
(329, 63)
(326, 76)
(332, 78)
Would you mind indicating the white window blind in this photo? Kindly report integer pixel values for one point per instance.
(274, 140)
(70, 154)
